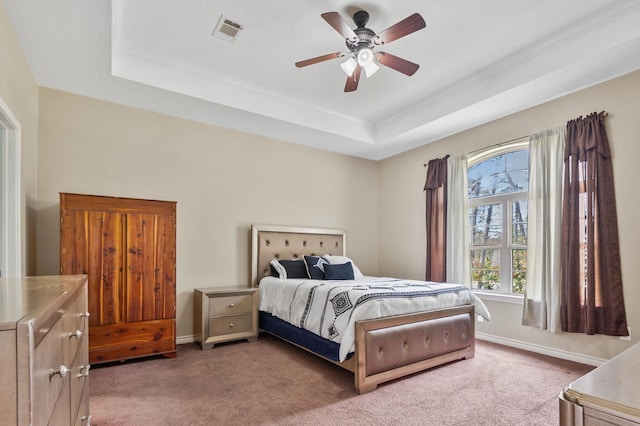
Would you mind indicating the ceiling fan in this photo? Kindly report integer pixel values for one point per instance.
(361, 42)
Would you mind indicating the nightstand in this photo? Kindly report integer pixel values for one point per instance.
(222, 314)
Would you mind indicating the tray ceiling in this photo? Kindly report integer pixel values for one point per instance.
(479, 61)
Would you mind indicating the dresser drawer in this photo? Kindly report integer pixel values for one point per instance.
(230, 325)
(47, 358)
(230, 305)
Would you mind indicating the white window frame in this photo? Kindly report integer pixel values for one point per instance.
(506, 201)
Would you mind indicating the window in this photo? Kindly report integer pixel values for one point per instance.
(498, 192)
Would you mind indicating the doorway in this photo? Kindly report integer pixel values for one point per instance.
(10, 200)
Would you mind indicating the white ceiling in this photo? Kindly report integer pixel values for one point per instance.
(478, 61)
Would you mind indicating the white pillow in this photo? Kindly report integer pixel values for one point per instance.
(279, 268)
(338, 260)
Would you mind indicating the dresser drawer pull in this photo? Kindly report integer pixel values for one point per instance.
(231, 325)
(77, 334)
(84, 371)
(232, 305)
(62, 371)
(85, 315)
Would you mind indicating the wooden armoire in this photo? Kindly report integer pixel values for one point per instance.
(127, 248)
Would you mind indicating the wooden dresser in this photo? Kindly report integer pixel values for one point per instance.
(127, 248)
(43, 351)
(608, 395)
(222, 314)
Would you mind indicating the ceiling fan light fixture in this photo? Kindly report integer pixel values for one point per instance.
(349, 66)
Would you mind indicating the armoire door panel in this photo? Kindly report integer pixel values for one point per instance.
(106, 264)
(91, 247)
(73, 242)
(150, 268)
(136, 262)
(165, 306)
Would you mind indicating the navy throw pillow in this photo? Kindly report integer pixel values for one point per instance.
(343, 271)
(315, 267)
(289, 268)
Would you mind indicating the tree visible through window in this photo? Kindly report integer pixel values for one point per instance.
(498, 213)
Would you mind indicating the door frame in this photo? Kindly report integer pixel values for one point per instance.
(10, 195)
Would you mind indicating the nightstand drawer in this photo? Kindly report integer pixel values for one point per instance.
(230, 324)
(230, 305)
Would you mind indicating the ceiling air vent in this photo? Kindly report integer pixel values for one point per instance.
(226, 29)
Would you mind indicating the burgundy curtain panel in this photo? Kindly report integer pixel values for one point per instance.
(436, 191)
(592, 299)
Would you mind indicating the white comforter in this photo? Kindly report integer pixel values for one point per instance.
(331, 308)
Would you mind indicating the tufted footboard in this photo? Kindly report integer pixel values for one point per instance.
(393, 347)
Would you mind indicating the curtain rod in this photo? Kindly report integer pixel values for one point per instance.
(497, 144)
(604, 114)
(490, 146)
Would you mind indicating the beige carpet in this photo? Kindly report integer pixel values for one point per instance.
(270, 382)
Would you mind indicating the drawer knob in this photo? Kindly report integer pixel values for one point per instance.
(62, 372)
(85, 314)
(77, 334)
(232, 305)
(84, 371)
(231, 325)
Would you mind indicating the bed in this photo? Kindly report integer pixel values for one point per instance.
(378, 349)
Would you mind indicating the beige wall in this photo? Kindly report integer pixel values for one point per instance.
(222, 180)
(19, 91)
(401, 230)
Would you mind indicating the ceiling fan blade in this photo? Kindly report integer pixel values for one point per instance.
(352, 81)
(319, 59)
(405, 27)
(340, 25)
(397, 63)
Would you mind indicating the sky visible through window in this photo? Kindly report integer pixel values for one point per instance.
(500, 175)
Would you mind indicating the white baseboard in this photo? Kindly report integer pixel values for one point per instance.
(181, 340)
(570, 356)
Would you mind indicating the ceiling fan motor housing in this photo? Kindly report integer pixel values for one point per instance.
(365, 36)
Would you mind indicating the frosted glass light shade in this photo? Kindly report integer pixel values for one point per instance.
(366, 61)
(370, 69)
(349, 66)
(365, 57)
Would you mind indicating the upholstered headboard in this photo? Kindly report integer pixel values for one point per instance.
(287, 242)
